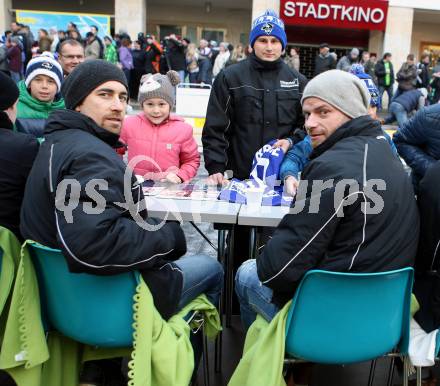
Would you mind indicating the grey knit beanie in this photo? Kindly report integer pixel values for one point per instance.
(342, 90)
(86, 77)
(159, 86)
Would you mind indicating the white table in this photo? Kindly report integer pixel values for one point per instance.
(197, 211)
(264, 216)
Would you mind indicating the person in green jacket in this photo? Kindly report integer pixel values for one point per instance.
(110, 53)
(39, 94)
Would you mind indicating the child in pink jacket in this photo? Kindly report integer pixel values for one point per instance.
(164, 140)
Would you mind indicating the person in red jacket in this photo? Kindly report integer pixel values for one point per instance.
(165, 141)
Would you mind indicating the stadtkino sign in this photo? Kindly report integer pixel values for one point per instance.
(365, 14)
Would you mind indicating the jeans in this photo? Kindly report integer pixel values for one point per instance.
(399, 112)
(193, 77)
(201, 274)
(127, 74)
(389, 91)
(254, 297)
(182, 76)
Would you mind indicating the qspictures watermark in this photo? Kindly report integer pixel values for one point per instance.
(91, 198)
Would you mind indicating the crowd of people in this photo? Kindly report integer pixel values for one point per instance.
(195, 63)
(63, 129)
(202, 62)
(417, 84)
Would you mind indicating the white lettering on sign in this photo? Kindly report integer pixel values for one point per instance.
(380, 15)
(311, 11)
(364, 14)
(334, 11)
(335, 8)
(346, 13)
(321, 14)
(289, 9)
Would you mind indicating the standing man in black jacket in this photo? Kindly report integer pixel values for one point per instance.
(251, 103)
(356, 211)
(81, 198)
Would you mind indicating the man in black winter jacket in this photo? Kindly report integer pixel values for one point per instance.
(251, 103)
(17, 154)
(81, 199)
(356, 211)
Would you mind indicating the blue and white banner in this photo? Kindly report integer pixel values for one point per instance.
(59, 20)
(265, 174)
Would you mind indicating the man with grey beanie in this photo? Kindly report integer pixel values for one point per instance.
(355, 210)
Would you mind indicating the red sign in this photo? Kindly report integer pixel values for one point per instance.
(365, 14)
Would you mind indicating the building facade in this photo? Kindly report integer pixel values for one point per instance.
(397, 26)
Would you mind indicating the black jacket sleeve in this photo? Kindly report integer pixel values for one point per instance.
(298, 244)
(410, 141)
(379, 69)
(218, 120)
(106, 239)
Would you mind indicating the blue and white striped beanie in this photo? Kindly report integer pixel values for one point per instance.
(359, 70)
(44, 64)
(268, 24)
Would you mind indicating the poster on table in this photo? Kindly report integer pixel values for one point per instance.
(59, 20)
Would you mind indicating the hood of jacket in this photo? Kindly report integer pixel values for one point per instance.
(29, 107)
(70, 119)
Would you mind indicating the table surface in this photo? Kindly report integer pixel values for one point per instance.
(268, 216)
(197, 211)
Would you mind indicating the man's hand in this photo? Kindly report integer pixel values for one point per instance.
(216, 179)
(174, 178)
(291, 186)
(284, 144)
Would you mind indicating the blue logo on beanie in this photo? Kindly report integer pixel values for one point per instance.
(267, 28)
(268, 24)
(47, 65)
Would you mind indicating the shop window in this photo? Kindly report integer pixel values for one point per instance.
(191, 34)
(166, 30)
(212, 34)
(434, 52)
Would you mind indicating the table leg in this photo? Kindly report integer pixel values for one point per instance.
(219, 339)
(221, 245)
(229, 265)
(253, 243)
